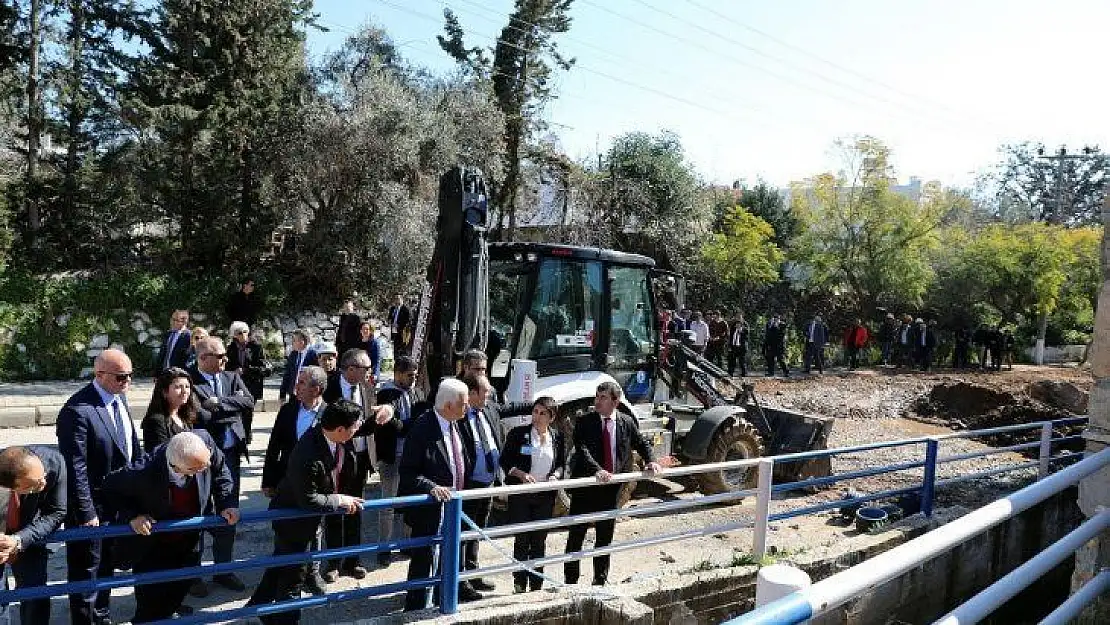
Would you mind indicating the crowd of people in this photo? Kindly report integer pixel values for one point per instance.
(903, 342)
(338, 424)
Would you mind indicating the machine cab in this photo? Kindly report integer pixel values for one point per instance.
(573, 310)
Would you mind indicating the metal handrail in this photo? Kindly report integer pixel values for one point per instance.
(1085, 596)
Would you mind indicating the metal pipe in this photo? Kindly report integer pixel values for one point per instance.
(842, 587)
(1085, 596)
(840, 503)
(822, 453)
(988, 473)
(449, 556)
(929, 480)
(763, 507)
(1045, 453)
(1002, 429)
(992, 597)
(840, 477)
(987, 452)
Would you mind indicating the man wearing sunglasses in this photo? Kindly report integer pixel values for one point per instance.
(95, 436)
(225, 405)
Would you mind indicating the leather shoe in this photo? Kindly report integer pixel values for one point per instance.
(230, 581)
(314, 585)
(199, 588)
(331, 576)
(356, 572)
(480, 584)
(467, 593)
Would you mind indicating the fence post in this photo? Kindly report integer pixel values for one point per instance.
(928, 485)
(449, 556)
(763, 507)
(1046, 450)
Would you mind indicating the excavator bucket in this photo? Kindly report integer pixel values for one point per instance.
(796, 432)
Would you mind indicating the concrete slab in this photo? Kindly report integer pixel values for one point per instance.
(48, 415)
(18, 417)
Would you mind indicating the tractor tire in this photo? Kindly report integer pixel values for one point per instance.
(738, 440)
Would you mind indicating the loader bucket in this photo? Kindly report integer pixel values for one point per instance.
(797, 432)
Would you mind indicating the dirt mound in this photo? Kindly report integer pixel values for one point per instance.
(1063, 395)
(966, 406)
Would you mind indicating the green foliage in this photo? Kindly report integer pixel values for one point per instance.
(1031, 184)
(765, 202)
(743, 255)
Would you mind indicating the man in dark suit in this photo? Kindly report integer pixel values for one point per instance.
(434, 462)
(243, 305)
(816, 335)
(180, 479)
(481, 433)
(347, 335)
(293, 420)
(224, 406)
(738, 347)
(603, 444)
(32, 505)
(389, 441)
(175, 349)
(95, 436)
(300, 356)
(350, 382)
(319, 464)
(399, 321)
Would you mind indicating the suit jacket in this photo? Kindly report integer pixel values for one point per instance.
(289, 375)
(144, 486)
(470, 435)
(589, 453)
(43, 512)
(513, 455)
(820, 332)
(92, 450)
(308, 484)
(158, 429)
(254, 369)
(283, 437)
(228, 417)
(425, 465)
(367, 398)
(347, 334)
(243, 307)
(404, 317)
(179, 351)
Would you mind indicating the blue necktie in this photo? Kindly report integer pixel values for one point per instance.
(117, 422)
(169, 348)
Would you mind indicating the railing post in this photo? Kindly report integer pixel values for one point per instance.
(449, 556)
(1046, 450)
(928, 485)
(763, 507)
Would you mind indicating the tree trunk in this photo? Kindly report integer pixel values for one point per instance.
(75, 112)
(1038, 348)
(34, 122)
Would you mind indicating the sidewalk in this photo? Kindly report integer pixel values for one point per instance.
(27, 404)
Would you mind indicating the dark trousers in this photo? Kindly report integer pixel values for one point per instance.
(223, 538)
(814, 355)
(420, 559)
(959, 356)
(345, 530)
(530, 545)
(282, 583)
(715, 352)
(29, 570)
(86, 559)
(853, 356)
(738, 355)
(154, 602)
(924, 357)
(888, 348)
(586, 500)
(774, 357)
(478, 511)
(398, 341)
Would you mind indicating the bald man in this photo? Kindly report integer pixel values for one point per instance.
(96, 436)
(32, 506)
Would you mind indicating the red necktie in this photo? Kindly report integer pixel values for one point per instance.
(607, 442)
(338, 465)
(456, 453)
(12, 521)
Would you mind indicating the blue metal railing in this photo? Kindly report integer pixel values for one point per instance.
(450, 536)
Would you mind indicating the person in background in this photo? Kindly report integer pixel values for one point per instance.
(701, 332)
(679, 323)
(718, 338)
(961, 347)
(887, 334)
(244, 356)
(244, 304)
(368, 343)
(300, 356)
(855, 339)
(774, 345)
(389, 441)
(400, 321)
(738, 346)
(199, 333)
(32, 506)
(904, 343)
(175, 348)
(816, 334)
(347, 331)
(994, 345)
(327, 356)
(1007, 342)
(95, 436)
(172, 409)
(533, 453)
(184, 478)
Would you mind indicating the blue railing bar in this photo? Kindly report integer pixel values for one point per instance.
(118, 581)
(241, 614)
(987, 452)
(205, 522)
(589, 517)
(992, 597)
(1071, 608)
(840, 477)
(929, 477)
(823, 453)
(1066, 456)
(1002, 429)
(449, 556)
(842, 587)
(989, 472)
(609, 549)
(1073, 437)
(1071, 420)
(840, 503)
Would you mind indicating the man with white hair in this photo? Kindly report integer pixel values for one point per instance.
(434, 462)
(182, 478)
(224, 406)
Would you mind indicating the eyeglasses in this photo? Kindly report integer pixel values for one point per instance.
(222, 356)
(119, 377)
(359, 367)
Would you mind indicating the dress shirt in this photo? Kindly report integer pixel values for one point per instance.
(612, 440)
(306, 418)
(480, 474)
(701, 332)
(124, 413)
(543, 455)
(445, 429)
(345, 387)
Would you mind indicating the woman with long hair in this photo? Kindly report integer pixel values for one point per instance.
(173, 408)
(533, 453)
(198, 333)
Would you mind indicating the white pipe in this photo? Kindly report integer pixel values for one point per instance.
(1075, 604)
(763, 507)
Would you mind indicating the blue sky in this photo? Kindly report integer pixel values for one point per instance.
(762, 89)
